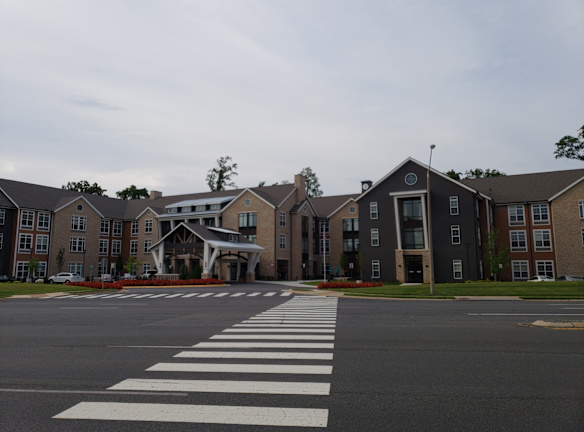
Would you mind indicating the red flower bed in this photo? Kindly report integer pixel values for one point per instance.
(145, 283)
(337, 285)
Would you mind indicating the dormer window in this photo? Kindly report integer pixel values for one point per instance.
(186, 209)
(200, 208)
(215, 206)
(234, 238)
(172, 210)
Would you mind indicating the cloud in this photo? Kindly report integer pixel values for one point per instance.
(88, 102)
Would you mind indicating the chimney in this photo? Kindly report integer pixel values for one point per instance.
(366, 185)
(300, 183)
(155, 194)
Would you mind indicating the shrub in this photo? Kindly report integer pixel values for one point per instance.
(337, 285)
(135, 283)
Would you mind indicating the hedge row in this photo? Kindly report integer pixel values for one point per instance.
(145, 283)
(337, 285)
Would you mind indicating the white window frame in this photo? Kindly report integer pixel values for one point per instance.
(325, 246)
(536, 215)
(133, 247)
(518, 240)
(457, 269)
(27, 219)
(581, 209)
(42, 271)
(454, 209)
(524, 266)
(1, 240)
(582, 232)
(282, 241)
(374, 237)
(513, 213)
(547, 264)
(375, 269)
(146, 267)
(77, 244)
(24, 243)
(455, 235)
(42, 244)
(147, 245)
(103, 247)
(148, 226)
(2, 216)
(117, 228)
(282, 219)
(104, 227)
(373, 210)
(76, 267)
(134, 229)
(116, 247)
(324, 227)
(44, 221)
(543, 233)
(21, 269)
(78, 223)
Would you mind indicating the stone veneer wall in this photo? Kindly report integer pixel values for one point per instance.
(568, 232)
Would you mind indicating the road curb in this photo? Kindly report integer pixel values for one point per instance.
(556, 324)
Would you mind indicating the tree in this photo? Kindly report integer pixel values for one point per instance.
(132, 265)
(132, 192)
(219, 178)
(119, 264)
(33, 267)
(60, 259)
(496, 256)
(85, 187)
(312, 184)
(474, 174)
(344, 262)
(571, 147)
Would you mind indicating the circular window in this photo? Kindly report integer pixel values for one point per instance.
(352, 209)
(411, 179)
(247, 202)
(79, 207)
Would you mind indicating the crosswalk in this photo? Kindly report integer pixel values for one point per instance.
(301, 329)
(172, 295)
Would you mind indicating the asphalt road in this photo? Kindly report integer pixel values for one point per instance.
(396, 365)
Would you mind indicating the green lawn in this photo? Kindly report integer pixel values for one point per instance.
(18, 288)
(526, 290)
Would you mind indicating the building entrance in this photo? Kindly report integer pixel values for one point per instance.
(414, 269)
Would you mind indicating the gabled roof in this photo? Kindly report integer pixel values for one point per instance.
(326, 206)
(534, 187)
(566, 189)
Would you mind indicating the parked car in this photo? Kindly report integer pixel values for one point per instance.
(66, 277)
(541, 279)
(129, 276)
(570, 278)
(106, 277)
(148, 274)
(6, 278)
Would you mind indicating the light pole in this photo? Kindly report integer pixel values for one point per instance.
(430, 251)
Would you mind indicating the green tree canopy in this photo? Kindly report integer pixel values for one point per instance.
(571, 147)
(312, 184)
(85, 187)
(132, 192)
(474, 174)
(220, 177)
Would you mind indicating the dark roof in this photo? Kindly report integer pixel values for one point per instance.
(533, 187)
(324, 206)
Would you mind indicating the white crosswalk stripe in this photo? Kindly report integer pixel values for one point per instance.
(292, 332)
(185, 295)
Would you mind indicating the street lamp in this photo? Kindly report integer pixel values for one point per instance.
(430, 251)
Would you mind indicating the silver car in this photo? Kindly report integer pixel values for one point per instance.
(66, 277)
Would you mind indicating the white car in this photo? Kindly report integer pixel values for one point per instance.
(66, 277)
(129, 276)
(541, 279)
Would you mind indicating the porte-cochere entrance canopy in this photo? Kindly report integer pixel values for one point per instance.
(215, 250)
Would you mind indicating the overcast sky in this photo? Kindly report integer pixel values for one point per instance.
(152, 92)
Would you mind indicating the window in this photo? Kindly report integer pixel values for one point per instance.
(543, 240)
(375, 270)
(146, 267)
(1, 240)
(2, 216)
(133, 247)
(545, 268)
(350, 245)
(247, 220)
(373, 213)
(581, 209)
(147, 246)
(412, 209)
(453, 205)
(282, 242)
(75, 267)
(77, 244)
(455, 234)
(516, 215)
(44, 222)
(27, 219)
(103, 247)
(374, 237)
(148, 226)
(581, 231)
(457, 269)
(116, 247)
(104, 229)
(414, 238)
(351, 225)
(117, 229)
(42, 270)
(282, 219)
(24, 242)
(540, 214)
(172, 210)
(324, 227)
(253, 238)
(186, 209)
(200, 208)
(215, 206)
(520, 270)
(518, 241)
(325, 246)
(78, 223)
(21, 269)
(42, 244)
(134, 229)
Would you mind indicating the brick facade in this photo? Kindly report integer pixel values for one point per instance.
(569, 231)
